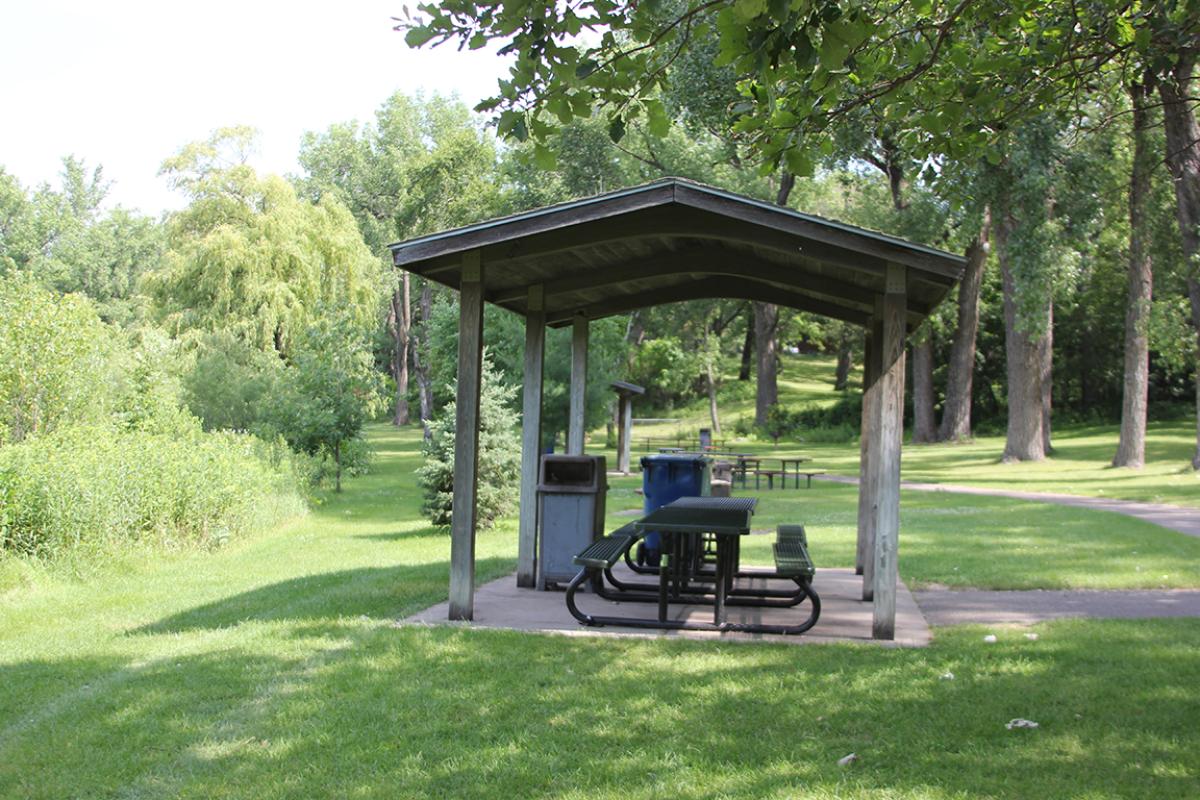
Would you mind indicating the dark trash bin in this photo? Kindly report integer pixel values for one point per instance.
(665, 479)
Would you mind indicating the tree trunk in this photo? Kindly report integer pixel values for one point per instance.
(420, 364)
(337, 461)
(400, 319)
(766, 317)
(1023, 353)
(956, 410)
(1183, 162)
(712, 399)
(766, 321)
(924, 426)
(845, 356)
(1131, 449)
(747, 349)
(1046, 375)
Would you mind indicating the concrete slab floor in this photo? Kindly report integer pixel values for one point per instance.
(844, 616)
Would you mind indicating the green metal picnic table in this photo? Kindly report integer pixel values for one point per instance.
(680, 522)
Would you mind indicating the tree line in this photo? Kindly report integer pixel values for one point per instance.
(256, 265)
(993, 106)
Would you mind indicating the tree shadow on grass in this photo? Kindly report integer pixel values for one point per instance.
(378, 592)
(441, 712)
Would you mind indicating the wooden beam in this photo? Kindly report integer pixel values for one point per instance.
(860, 242)
(885, 462)
(624, 432)
(709, 260)
(466, 441)
(531, 437)
(576, 422)
(538, 222)
(866, 438)
(712, 287)
(657, 223)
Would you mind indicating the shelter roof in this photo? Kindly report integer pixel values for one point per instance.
(674, 240)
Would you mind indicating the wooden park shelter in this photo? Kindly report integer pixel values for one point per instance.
(665, 242)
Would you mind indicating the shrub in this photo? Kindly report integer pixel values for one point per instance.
(499, 456)
(57, 359)
(94, 488)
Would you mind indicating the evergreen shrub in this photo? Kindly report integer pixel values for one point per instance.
(499, 456)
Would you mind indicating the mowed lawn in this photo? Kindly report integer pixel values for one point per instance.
(1080, 464)
(275, 668)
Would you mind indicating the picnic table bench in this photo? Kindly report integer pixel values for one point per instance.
(680, 574)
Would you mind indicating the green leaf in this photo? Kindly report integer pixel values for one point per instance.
(519, 130)
(544, 158)
(586, 68)
(656, 119)
(418, 36)
(747, 10)
(833, 51)
(616, 129)
(799, 163)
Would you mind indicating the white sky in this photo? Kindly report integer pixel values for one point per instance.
(125, 84)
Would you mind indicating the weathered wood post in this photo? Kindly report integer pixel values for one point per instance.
(579, 352)
(625, 433)
(885, 462)
(625, 393)
(466, 440)
(531, 436)
(866, 442)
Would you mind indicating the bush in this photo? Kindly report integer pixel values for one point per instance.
(95, 488)
(499, 457)
(57, 361)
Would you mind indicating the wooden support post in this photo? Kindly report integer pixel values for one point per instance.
(576, 432)
(624, 432)
(531, 436)
(466, 440)
(868, 447)
(885, 462)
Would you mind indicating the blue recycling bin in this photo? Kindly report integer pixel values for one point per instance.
(665, 479)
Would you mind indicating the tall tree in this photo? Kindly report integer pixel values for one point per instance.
(423, 165)
(960, 373)
(248, 256)
(1131, 449)
(1183, 163)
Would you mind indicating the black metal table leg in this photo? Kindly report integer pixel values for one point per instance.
(722, 581)
(664, 579)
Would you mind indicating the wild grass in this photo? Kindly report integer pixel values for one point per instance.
(273, 668)
(86, 492)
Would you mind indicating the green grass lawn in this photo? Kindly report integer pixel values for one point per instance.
(1080, 464)
(274, 668)
(965, 541)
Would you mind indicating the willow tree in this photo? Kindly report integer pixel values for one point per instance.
(249, 256)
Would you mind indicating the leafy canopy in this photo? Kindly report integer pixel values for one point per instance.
(953, 76)
(250, 257)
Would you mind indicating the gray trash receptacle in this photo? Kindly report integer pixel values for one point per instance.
(571, 494)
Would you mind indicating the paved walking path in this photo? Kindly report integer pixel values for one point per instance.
(1176, 518)
(950, 607)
